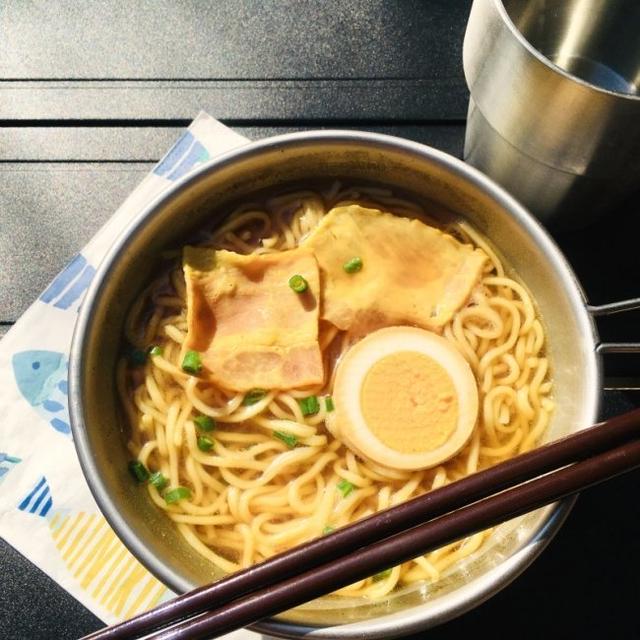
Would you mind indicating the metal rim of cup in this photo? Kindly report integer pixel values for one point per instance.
(504, 14)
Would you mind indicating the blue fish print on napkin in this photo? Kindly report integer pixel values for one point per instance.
(41, 377)
(69, 284)
(183, 156)
(7, 463)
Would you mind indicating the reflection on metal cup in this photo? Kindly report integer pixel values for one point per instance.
(554, 114)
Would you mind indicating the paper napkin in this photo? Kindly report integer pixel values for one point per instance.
(46, 509)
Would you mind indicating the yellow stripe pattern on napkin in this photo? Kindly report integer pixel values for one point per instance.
(103, 566)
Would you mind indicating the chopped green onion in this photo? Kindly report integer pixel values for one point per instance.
(138, 471)
(382, 575)
(298, 284)
(345, 487)
(327, 529)
(137, 357)
(205, 423)
(329, 403)
(192, 363)
(158, 480)
(288, 438)
(253, 396)
(309, 405)
(179, 493)
(156, 350)
(353, 265)
(204, 443)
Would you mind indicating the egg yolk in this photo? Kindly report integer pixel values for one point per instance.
(409, 402)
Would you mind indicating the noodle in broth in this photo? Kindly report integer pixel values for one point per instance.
(252, 496)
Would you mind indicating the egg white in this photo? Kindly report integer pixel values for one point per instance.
(347, 422)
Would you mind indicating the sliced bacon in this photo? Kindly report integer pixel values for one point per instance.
(251, 328)
(411, 273)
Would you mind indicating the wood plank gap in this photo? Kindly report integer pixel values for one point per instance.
(234, 122)
(94, 122)
(230, 80)
(58, 161)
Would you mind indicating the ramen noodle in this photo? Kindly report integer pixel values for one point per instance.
(246, 473)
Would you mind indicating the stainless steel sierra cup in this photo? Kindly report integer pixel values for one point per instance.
(202, 198)
(554, 114)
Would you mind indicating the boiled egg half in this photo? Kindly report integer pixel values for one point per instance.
(405, 398)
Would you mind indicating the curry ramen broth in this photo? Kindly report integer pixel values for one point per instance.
(248, 472)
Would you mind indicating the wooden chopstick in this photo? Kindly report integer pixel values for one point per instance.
(405, 546)
(395, 535)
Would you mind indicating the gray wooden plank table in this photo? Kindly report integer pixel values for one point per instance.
(92, 93)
